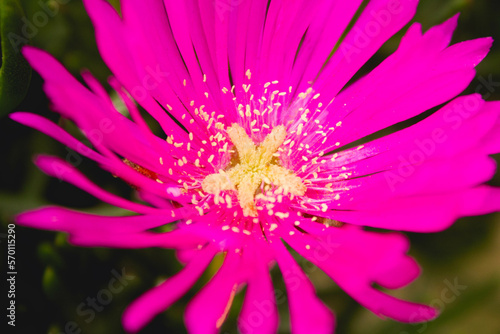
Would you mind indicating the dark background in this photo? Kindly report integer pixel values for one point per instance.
(54, 278)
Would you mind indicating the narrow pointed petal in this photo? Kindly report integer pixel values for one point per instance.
(307, 313)
(207, 311)
(158, 299)
(259, 313)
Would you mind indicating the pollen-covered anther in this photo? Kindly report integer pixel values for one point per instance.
(254, 166)
(215, 183)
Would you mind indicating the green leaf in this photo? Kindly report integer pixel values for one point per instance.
(15, 72)
(51, 283)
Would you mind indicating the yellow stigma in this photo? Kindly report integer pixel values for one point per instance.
(254, 165)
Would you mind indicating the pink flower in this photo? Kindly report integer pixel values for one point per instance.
(259, 123)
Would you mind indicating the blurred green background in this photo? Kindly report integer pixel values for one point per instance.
(54, 278)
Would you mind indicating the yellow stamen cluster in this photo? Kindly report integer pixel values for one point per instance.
(254, 166)
(254, 173)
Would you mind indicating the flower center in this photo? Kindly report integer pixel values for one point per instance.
(254, 166)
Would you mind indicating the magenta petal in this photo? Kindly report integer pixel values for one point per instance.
(54, 131)
(114, 48)
(358, 46)
(394, 269)
(259, 313)
(163, 80)
(62, 219)
(175, 239)
(107, 129)
(384, 305)
(58, 168)
(113, 165)
(207, 311)
(64, 171)
(158, 299)
(307, 313)
(238, 40)
(386, 108)
(465, 54)
(283, 33)
(155, 200)
(483, 199)
(320, 40)
(425, 213)
(406, 270)
(381, 260)
(110, 38)
(421, 74)
(99, 231)
(186, 255)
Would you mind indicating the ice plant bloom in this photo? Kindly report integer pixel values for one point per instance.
(257, 153)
